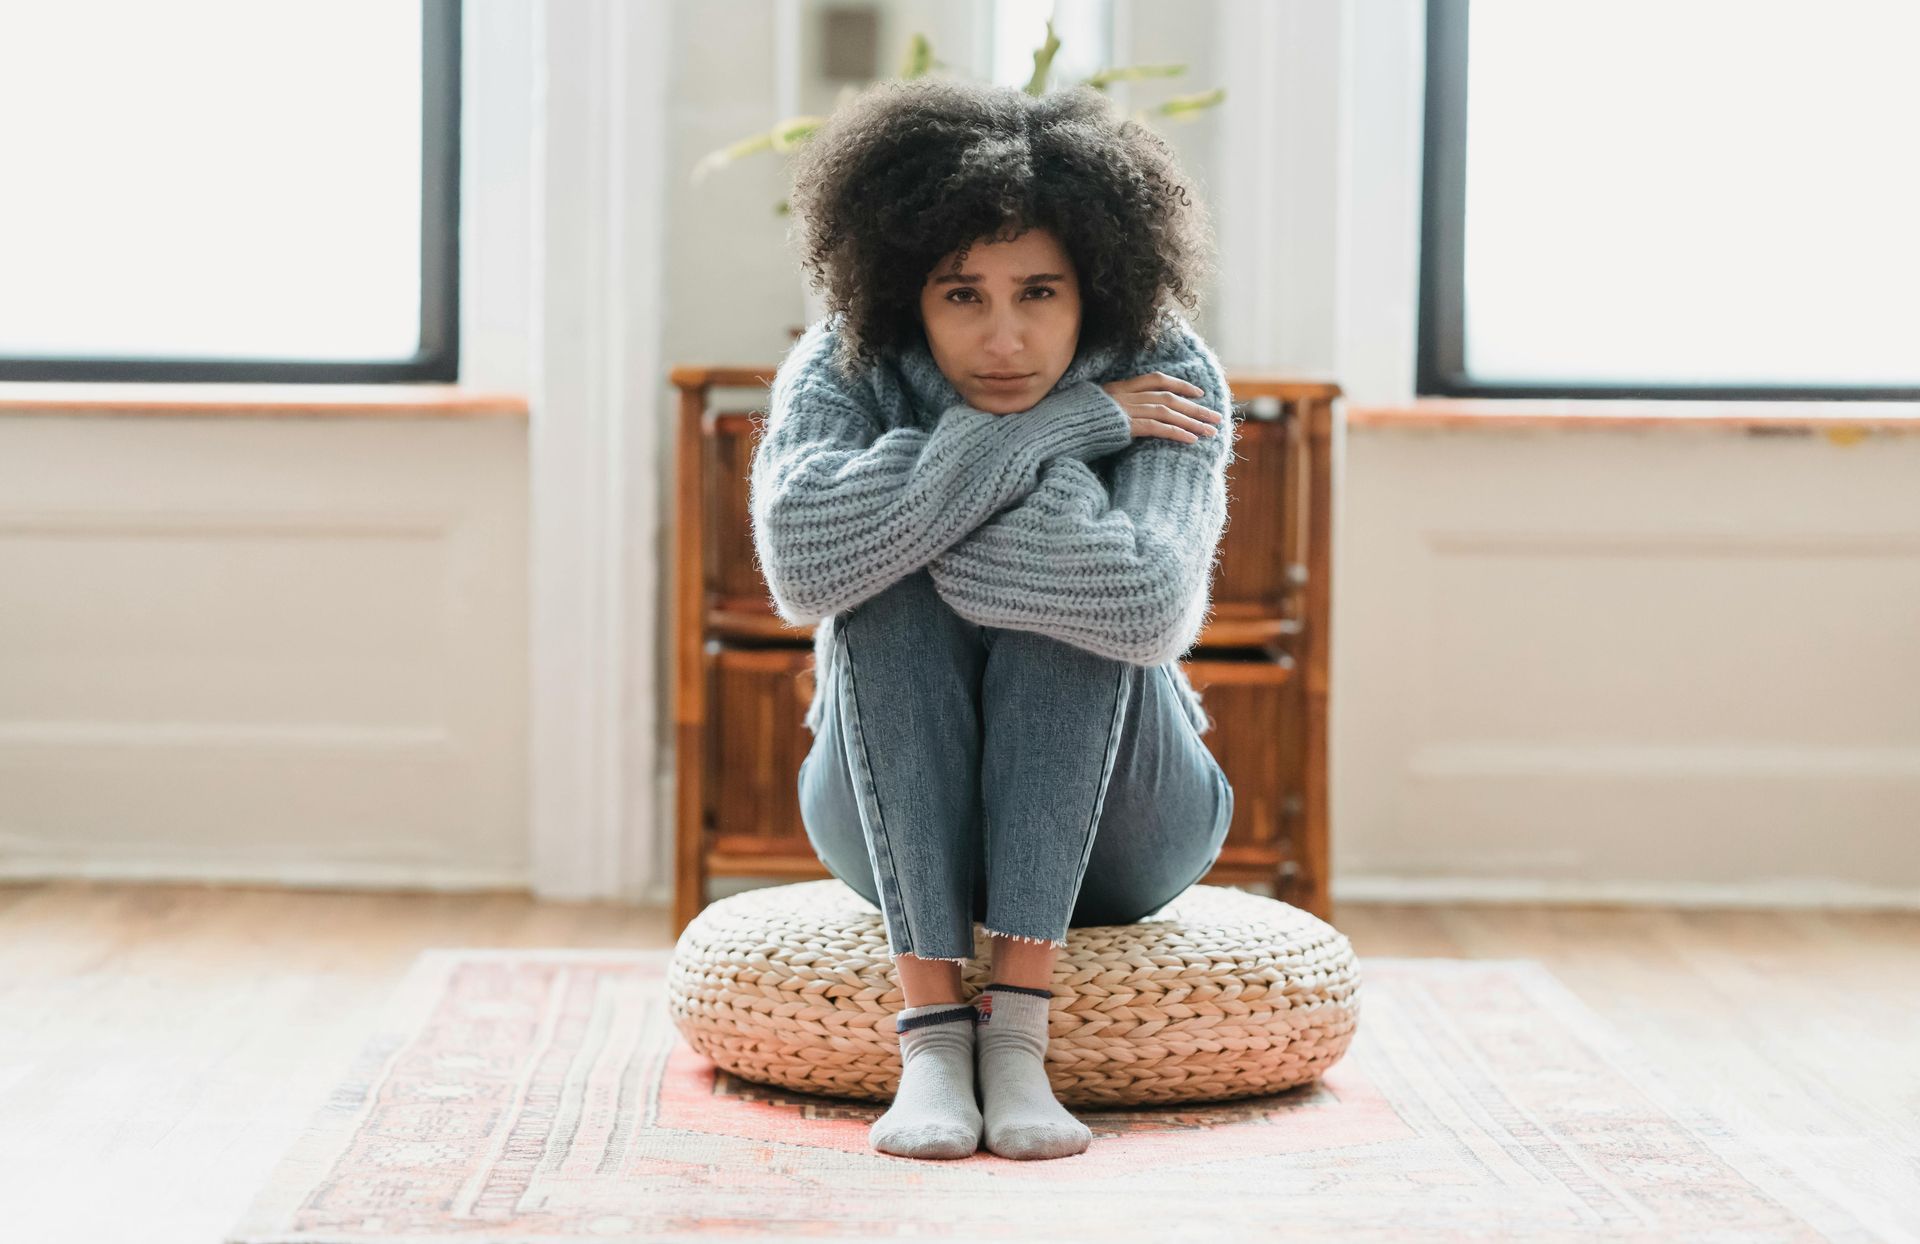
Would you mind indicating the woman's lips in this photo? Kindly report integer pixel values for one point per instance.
(1006, 380)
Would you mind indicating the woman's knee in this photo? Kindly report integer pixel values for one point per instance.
(1096, 673)
(910, 610)
(1131, 898)
(830, 815)
(907, 644)
(1167, 813)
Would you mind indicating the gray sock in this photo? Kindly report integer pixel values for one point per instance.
(1023, 1117)
(934, 1114)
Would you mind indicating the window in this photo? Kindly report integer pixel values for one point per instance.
(222, 190)
(1641, 198)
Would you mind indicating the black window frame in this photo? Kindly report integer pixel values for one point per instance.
(1439, 368)
(438, 359)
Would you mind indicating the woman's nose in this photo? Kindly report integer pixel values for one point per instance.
(1004, 338)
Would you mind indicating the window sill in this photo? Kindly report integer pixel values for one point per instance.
(1833, 419)
(292, 400)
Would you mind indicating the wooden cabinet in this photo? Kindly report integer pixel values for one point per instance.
(743, 677)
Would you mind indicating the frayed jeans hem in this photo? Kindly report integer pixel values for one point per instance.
(893, 955)
(1056, 943)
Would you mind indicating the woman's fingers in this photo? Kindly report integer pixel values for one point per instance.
(1191, 407)
(1158, 406)
(1160, 387)
(1154, 419)
(1172, 411)
(1178, 417)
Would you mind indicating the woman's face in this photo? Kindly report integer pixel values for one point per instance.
(1012, 310)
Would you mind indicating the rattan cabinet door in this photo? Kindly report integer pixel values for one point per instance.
(1257, 738)
(757, 702)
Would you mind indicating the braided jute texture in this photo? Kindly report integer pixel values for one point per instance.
(1220, 994)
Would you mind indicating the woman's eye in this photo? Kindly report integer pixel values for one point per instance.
(1036, 289)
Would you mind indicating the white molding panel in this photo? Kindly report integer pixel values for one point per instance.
(283, 651)
(1678, 667)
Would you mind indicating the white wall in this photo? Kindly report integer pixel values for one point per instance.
(1563, 661)
(1674, 665)
(1679, 666)
(286, 650)
(263, 649)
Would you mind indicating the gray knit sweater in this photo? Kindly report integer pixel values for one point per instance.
(1055, 519)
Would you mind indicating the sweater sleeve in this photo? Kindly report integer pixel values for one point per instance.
(1127, 576)
(842, 507)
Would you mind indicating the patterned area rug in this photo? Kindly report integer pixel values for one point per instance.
(527, 1097)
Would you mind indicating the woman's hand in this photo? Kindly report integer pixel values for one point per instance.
(1158, 405)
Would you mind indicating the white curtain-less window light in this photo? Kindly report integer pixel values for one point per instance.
(209, 179)
(1693, 192)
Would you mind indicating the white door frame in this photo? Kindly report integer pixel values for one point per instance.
(599, 149)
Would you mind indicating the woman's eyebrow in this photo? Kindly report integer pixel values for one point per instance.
(974, 278)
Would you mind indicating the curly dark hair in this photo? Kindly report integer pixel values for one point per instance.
(909, 170)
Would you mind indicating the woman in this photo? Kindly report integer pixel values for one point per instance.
(994, 476)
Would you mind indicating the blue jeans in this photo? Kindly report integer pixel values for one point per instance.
(969, 773)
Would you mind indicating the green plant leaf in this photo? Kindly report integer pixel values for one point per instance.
(1182, 107)
(1133, 73)
(793, 131)
(783, 137)
(919, 57)
(724, 156)
(1043, 61)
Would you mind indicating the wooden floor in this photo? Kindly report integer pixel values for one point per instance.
(147, 1084)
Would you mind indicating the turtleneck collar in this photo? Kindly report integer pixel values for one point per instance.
(932, 392)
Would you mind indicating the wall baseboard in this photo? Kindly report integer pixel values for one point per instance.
(1785, 894)
(1791, 892)
(1796, 895)
(292, 873)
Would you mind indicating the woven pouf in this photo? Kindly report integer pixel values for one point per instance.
(1220, 994)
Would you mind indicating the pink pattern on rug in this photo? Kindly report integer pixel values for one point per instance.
(522, 1096)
